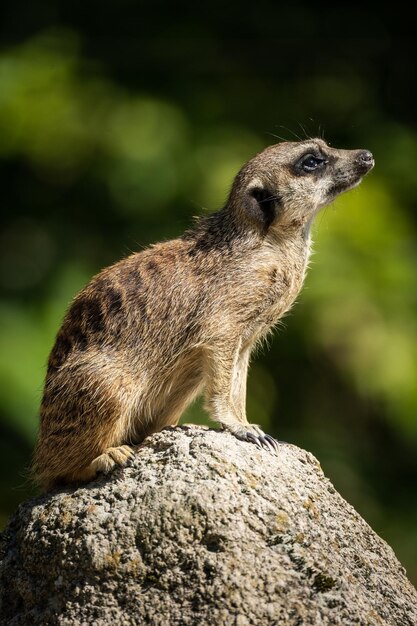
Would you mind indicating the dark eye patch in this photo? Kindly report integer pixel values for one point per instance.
(310, 163)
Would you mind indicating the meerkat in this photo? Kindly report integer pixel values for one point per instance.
(181, 318)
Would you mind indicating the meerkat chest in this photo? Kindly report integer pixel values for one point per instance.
(281, 278)
(286, 284)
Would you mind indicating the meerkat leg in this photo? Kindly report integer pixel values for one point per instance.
(226, 395)
(72, 466)
(104, 463)
(64, 456)
(239, 400)
(239, 379)
(112, 450)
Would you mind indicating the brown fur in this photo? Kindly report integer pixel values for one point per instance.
(150, 333)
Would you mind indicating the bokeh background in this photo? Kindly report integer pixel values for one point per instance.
(121, 120)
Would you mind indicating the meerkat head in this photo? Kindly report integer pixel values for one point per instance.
(288, 183)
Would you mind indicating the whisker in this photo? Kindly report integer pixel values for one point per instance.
(322, 214)
(290, 131)
(304, 130)
(269, 199)
(276, 136)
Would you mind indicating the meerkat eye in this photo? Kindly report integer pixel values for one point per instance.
(310, 163)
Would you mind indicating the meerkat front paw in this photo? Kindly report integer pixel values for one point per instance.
(253, 434)
(106, 462)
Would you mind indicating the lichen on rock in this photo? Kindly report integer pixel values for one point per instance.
(201, 528)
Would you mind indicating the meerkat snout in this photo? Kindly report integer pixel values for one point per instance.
(365, 159)
(181, 318)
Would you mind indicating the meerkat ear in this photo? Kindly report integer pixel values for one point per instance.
(262, 205)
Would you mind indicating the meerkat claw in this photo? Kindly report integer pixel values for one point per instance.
(253, 439)
(262, 441)
(267, 443)
(272, 442)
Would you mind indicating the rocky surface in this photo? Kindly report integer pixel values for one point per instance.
(201, 528)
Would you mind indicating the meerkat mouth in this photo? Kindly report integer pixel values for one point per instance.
(341, 187)
(338, 188)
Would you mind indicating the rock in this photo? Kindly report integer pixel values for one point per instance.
(201, 529)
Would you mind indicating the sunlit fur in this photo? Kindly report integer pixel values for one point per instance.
(182, 317)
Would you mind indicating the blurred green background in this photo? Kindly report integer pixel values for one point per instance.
(119, 121)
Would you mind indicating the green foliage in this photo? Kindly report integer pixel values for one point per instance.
(97, 163)
(360, 304)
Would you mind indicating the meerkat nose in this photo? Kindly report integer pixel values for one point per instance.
(365, 159)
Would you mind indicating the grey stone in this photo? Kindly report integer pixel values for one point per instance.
(201, 528)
